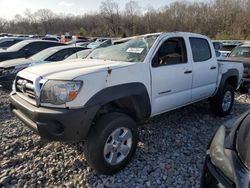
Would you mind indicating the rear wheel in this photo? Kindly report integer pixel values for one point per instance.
(222, 102)
(111, 143)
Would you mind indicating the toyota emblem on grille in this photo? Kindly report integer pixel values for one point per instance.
(23, 86)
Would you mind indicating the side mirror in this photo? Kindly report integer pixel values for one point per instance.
(155, 61)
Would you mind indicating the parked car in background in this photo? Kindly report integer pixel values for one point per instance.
(5, 35)
(242, 54)
(217, 47)
(80, 54)
(227, 162)
(100, 43)
(66, 38)
(26, 49)
(9, 68)
(54, 54)
(228, 46)
(83, 44)
(6, 42)
(56, 39)
(77, 41)
(104, 98)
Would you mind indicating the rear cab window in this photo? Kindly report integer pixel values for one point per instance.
(200, 49)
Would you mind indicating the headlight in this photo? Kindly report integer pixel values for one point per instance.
(219, 155)
(60, 92)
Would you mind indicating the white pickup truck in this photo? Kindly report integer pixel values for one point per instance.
(102, 99)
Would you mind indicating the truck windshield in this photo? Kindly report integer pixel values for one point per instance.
(133, 50)
(241, 52)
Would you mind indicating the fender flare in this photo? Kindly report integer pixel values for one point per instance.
(136, 92)
(225, 76)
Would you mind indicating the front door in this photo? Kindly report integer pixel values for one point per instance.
(171, 76)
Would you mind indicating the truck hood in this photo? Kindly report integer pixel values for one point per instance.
(14, 62)
(68, 70)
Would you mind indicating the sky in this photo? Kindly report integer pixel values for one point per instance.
(9, 8)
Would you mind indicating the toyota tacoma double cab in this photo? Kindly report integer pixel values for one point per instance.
(102, 99)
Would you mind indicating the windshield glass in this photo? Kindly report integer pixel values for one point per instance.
(134, 50)
(18, 46)
(241, 52)
(43, 54)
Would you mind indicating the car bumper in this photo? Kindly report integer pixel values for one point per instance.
(54, 124)
(213, 177)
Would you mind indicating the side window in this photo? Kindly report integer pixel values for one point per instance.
(36, 47)
(61, 55)
(7, 43)
(200, 49)
(172, 51)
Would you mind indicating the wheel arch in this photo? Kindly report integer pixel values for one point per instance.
(132, 99)
(231, 77)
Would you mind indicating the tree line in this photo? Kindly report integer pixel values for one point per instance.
(219, 19)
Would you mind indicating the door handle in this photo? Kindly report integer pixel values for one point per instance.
(188, 72)
(213, 67)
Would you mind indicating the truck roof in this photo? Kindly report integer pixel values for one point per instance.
(160, 34)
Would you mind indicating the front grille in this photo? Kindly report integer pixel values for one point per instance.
(25, 87)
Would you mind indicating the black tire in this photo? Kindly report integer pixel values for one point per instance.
(99, 134)
(217, 101)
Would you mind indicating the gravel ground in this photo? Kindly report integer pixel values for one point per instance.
(171, 152)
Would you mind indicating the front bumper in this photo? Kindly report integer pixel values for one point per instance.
(54, 123)
(213, 177)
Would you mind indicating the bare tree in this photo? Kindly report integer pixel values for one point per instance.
(110, 12)
(132, 13)
(222, 19)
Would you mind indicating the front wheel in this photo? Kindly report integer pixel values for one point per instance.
(111, 143)
(222, 102)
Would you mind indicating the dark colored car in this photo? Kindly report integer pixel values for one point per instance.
(26, 49)
(9, 68)
(6, 42)
(242, 54)
(227, 162)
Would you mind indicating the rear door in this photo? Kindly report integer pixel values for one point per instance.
(171, 75)
(205, 68)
